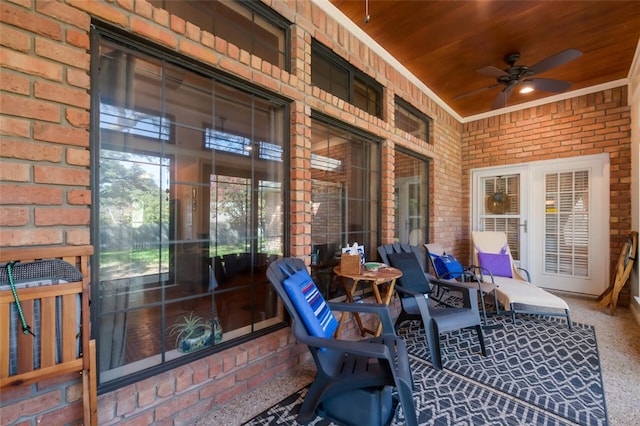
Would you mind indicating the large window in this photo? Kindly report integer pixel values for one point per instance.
(411, 199)
(248, 24)
(336, 76)
(189, 212)
(345, 188)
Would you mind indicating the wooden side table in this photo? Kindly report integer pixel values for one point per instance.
(350, 283)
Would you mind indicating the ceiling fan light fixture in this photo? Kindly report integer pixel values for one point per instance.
(527, 87)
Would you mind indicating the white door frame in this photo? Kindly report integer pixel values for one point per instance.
(532, 194)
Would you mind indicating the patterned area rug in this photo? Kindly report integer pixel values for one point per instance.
(537, 372)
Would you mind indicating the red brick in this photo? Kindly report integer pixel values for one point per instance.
(78, 39)
(177, 24)
(146, 391)
(153, 32)
(166, 384)
(61, 134)
(64, 13)
(30, 151)
(13, 39)
(30, 65)
(175, 405)
(78, 237)
(62, 94)
(30, 194)
(78, 78)
(184, 378)
(79, 197)
(78, 157)
(30, 237)
(16, 83)
(101, 10)
(61, 175)
(77, 118)
(14, 216)
(29, 108)
(198, 51)
(125, 400)
(38, 403)
(61, 216)
(21, 18)
(15, 172)
(68, 414)
(69, 55)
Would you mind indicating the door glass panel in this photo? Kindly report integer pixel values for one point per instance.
(567, 223)
(501, 208)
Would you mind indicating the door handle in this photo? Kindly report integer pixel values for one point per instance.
(524, 225)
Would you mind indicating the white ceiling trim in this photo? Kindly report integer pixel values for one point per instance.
(548, 100)
(350, 26)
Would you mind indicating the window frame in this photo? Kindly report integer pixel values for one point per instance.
(353, 74)
(103, 32)
(419, 116)
(428, 193)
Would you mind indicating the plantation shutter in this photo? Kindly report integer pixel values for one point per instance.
(567, 223)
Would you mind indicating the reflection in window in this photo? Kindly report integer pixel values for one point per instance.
(412, 121)
(185, 230)
(344, 195)
(335, 75)
(132, 122)
(249, 25)
(411, 199)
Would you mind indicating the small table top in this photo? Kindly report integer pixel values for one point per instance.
(382, 275)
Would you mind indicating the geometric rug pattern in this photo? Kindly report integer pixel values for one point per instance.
(536, 372)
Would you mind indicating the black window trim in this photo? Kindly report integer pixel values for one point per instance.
(104, 31)
(415, 111)
(352, 71)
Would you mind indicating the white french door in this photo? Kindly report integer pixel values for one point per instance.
(559, 229)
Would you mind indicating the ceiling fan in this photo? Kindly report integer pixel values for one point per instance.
(522, 75)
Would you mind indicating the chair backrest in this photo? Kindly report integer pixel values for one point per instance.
(448, 266)
(408, 259)
(301, 297)
(493, 242)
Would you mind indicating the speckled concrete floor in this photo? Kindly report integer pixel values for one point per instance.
(618, 343)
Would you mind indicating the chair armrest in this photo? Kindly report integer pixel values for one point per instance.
(482, 271)
(470, 297)
(373, 308)
(526, 273)
(362, 347)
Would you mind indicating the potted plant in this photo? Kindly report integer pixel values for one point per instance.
(192, 332)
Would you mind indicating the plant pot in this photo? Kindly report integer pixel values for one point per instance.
(200, 338)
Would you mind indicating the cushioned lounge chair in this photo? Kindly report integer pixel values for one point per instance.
(516, 293)
(345, 369)
(413, 289)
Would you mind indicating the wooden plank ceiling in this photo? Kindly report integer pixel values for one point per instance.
(445, 43)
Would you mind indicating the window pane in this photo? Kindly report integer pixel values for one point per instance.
(411, 121)
(235, 23)
(411, 199)
(190, 211)
(344, 197)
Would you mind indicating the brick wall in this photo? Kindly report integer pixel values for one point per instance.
(45, 168)
(585, 125)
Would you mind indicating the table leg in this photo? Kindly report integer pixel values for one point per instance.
(386, 300)
(349, 293)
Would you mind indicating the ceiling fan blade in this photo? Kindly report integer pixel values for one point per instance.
(473, 92)
(555, 60)
(501, 99)
(492, 71)
(550, 85)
